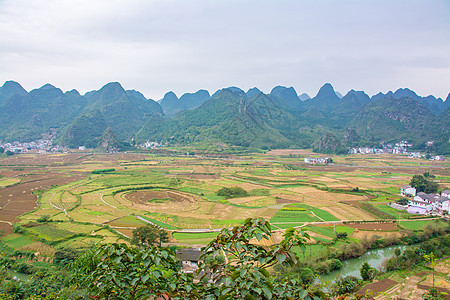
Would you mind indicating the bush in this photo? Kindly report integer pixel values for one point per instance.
(402, 201)
(340, 236)
(345, 285)
(367, 272)
(232, 192)
(43, 219)
(102, 171)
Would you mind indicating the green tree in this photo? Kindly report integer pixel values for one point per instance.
(232, 192)
(2, 150)
(423, 185)
(248, 277)
(9, 153)
(149, 235)
(118, 271)
(367, 272)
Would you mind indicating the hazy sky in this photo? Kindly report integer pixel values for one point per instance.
(184, 46)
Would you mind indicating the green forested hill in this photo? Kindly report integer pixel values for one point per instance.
(230, 116)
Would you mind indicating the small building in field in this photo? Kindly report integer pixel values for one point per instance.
(407, 190)
(190, 258)
(318, 160)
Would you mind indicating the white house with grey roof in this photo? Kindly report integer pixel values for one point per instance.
(445, 193)
(424, 203)
(408, 190)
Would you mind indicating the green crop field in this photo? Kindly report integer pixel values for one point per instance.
(421, 224)
(50, 233)
(16, 241)
(194, 238)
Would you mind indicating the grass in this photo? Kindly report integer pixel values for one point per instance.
(159, 223)
(329, 230)
(287, 216)
(421, 224)
(50, 233)
(127, 221)
(16, 241)
(392, 211)
(304, 216)
(8, 181)
(194, 238)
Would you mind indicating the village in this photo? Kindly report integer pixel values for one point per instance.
(423, 203)
(403, 147)
(39, 146)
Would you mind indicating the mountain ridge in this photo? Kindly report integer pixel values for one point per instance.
(281, 118)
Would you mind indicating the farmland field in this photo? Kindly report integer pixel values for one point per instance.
(85, 205)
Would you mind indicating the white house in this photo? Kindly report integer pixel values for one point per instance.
(320, 160)
(442, 204)
(407, 190)
(422, 203)
(445, 193)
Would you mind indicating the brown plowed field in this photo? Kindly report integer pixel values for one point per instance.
(374, 226)
(142, 197)
(204, 176)
(17, 199)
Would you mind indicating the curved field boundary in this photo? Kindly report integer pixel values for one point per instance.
(106, 202)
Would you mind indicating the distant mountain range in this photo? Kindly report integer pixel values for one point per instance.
(115, 118)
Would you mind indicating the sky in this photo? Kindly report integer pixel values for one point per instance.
(183, 46)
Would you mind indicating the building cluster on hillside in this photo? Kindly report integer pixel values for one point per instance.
(150, 145)
(39, 146)
(423, 203)
(402, 147)
(318, 160)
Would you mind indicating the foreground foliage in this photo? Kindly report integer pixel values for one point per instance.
(123, 272)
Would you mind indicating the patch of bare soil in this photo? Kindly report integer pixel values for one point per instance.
(143, 197)
(378, 287)
(18, 199)
(204, 176)
(374, 226)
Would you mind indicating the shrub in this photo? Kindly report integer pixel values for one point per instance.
(345, 285)
(402, 201)
(102, 171)
(232, 192)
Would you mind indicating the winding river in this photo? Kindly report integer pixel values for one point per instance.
(351, 266)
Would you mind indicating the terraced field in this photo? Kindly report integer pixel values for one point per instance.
(179, 192)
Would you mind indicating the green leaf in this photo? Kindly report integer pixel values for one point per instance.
(133, 282)
(145, 278)
(243, 272)
(267, 292)
(281, 257)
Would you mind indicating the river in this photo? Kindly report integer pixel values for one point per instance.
(351, 266)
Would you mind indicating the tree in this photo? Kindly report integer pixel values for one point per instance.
(2, 150)
(118, 271)
(248, 277)
(367, 272)
(423, 185)
(9, 153)
(232, 192)
(149, 235)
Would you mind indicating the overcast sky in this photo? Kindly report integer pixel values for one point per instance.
(184, 46)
